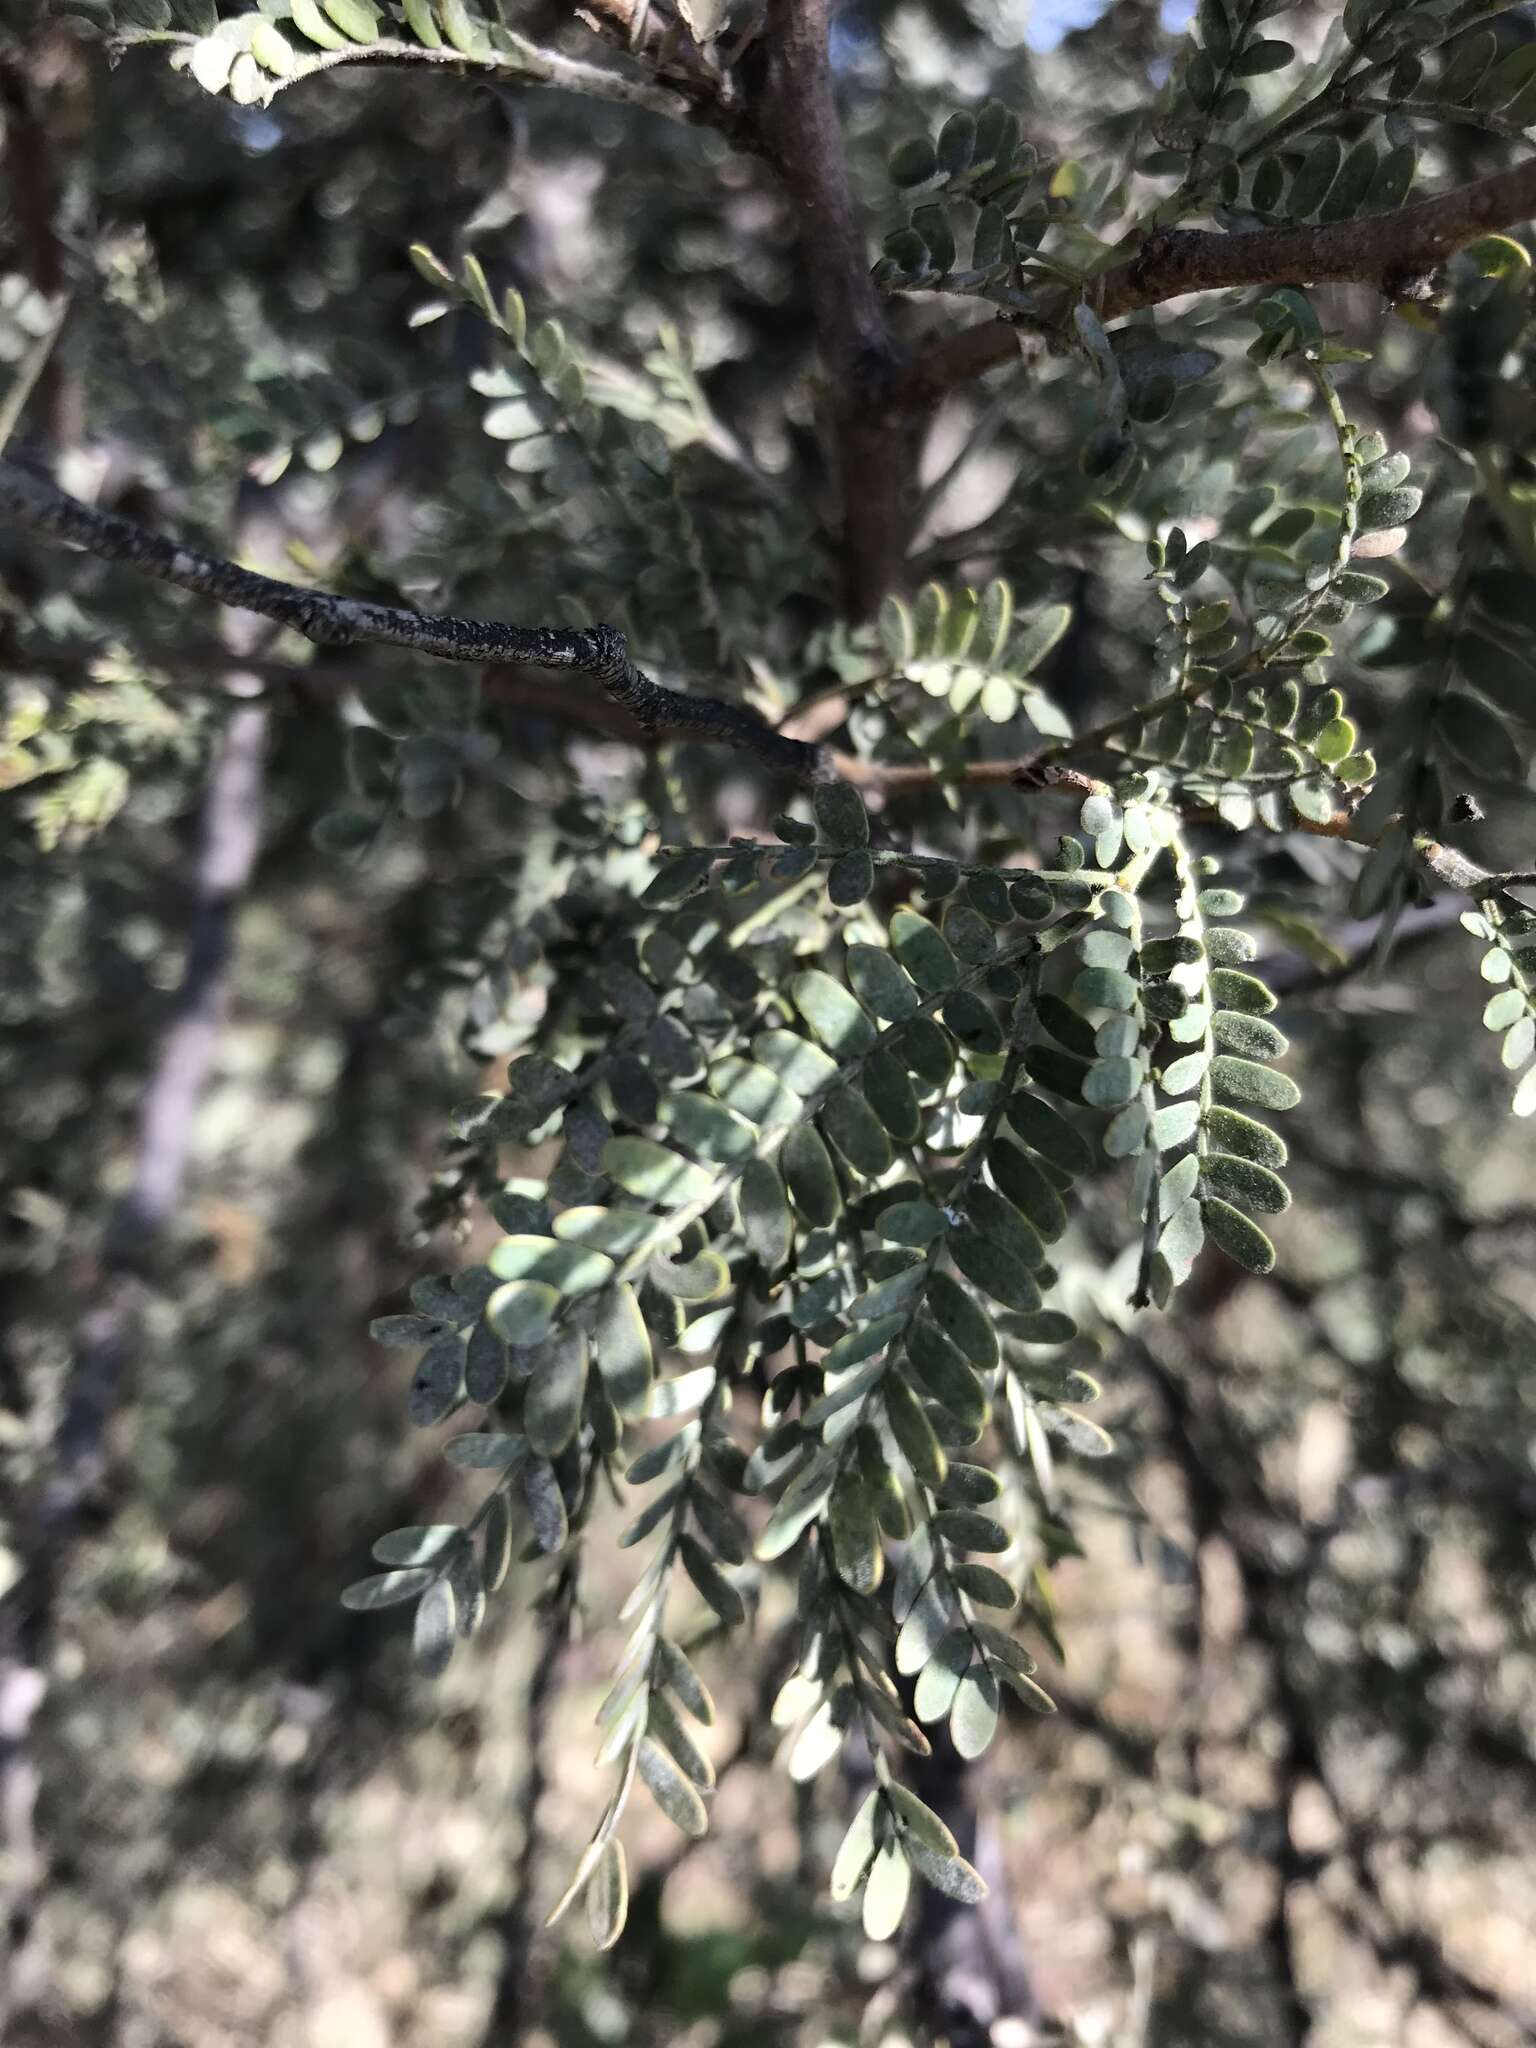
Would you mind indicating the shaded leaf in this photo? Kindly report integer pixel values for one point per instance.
(671, 1791)
(552, 1405)
(545, 1504)
(656, 1173)
(880, 983)
(840, 815)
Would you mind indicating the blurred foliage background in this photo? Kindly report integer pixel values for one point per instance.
(1290, 1792)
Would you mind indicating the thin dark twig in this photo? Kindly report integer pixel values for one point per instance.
(331, 621)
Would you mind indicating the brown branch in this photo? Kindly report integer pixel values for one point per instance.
(799, 132)
(971, 1979)
(957, 359)
(792, 122)
(1383, 249)
(330, 621)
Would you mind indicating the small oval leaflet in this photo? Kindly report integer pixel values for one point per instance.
(484, 1451)
(834, 1016)
(523, 1311)
(857, 1133)
(857, 1850)
(983, 1584)
(885, 1895)
(1240, 1080)
(570, 1268)
(420, 1543)
(1239, 1237)
(545, 1504)
(923, 952)
(434, 1634)
(1246, 1136)
(840, 815)
(973, 1717)
(1109, 1083)
(881, 983)
(995, 1271)
(386, 1589)
(1245, 1181)
(945, 1375)
(939, 1679)
(552, 1405)
(656, 1173)
(916, 1223)
(437, 1385)
(850, 878)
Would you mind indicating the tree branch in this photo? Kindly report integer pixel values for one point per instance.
(597, 651)
(800, 134)
(524, 63)
(635, 707)
(1383, 249)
